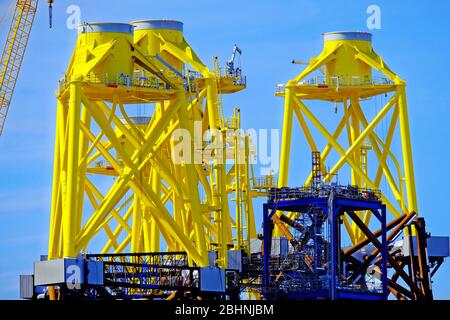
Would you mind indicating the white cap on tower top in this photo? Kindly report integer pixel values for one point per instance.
(116, 27)
(347, 35)
(158, 24)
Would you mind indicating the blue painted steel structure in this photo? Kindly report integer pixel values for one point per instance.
(155, 275)
(334, 203)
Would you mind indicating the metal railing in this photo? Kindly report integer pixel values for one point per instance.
(346, 81)
(224, 72)
(147, 274)
(156, 258)
(121, 80)
(236, 75)
(230, 123)
(324, 190)
(265, 182)
(339, 82)
(153, 82)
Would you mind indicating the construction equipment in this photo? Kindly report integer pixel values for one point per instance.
(50, 13)
(230, 63)
(351, 75)
(146, 173)
(318, 266)
(351, 67)
(122, 178)
(14, 51)
(314, 269)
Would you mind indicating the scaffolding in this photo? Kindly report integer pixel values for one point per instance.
(314, 267)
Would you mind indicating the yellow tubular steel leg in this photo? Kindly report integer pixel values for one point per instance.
(70, 215)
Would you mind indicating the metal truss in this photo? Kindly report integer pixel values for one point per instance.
(355, 145)
(355, 128)
(114, 181)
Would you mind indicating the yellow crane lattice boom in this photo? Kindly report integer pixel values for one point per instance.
(13, 53)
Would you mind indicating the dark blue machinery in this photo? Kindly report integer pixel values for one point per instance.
(310, 262)
(327, 273)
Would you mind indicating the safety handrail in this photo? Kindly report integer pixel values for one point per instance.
(339, 81)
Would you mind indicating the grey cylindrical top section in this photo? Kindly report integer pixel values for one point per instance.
(105, 27)
(347, 35)
(158, 24)
(138, 120)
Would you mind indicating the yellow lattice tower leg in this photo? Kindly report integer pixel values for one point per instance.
(70, 213)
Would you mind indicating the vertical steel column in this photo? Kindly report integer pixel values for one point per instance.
(237, 181)
(422, 257)
(251, 229)
(213, 104)
(286, 138)
(333, 220)
(412, 253)
(267, 234)
(137, 224)
(70, 214)
(355, 132)
(83, 148)
(407, 149)
(154, 230)
(384, 252)
(56, 208)
(192, 182)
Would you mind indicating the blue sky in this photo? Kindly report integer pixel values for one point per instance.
(414, 39)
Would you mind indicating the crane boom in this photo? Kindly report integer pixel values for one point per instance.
(230, 63)
(13, 53)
